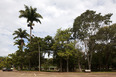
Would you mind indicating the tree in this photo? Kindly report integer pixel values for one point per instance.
(31, 15)
(5, 62)
(49, 41)
(32, 53)
(106, 41)
(69, 49)
(86, 25)
(63, 47)
(21, 34)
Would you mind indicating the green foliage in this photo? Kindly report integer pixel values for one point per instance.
(49, 41)
(30, 14)
(106, 43)
(20, 33)
(61, 42)
(64, 48)
(47, 63)
(5, 62)
(17, 58)
(88, 23)
(85, 28)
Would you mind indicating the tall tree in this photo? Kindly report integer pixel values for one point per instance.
(106, 39)
(32, 53)
(86, 25)
(31, 15)
(49, 41)
(20, 35)
(63, 47)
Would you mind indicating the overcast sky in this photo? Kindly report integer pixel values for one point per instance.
(56, 14)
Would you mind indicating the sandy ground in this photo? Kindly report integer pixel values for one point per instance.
(53, 74)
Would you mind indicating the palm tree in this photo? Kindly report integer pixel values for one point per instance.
(20, 43)
(31, 15)
(20, 34)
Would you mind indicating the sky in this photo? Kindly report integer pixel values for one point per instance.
(56, 14)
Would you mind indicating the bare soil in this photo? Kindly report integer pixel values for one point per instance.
(55, 74)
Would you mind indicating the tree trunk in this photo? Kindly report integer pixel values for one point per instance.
(39, 56)
(30, 42)
(60, 65)
(21, 67)
(88, 57)
(22, 43)
(67, 66)
(79, 66)
(30, 33)
(29, 64)
(89, 63)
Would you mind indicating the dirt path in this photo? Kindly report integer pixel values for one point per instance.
(53, 74)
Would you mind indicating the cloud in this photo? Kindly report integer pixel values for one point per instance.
(56, 14)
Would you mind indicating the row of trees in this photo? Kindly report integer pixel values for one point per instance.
(90, 44)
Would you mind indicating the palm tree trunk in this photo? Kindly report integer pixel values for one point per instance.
(30, 42)
(22, 43)
(39, 56)
(30, 33)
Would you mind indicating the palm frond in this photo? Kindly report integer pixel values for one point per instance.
(15, 37)
(26, 7)
(20, 33)
(30, 14)
(37, 20)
